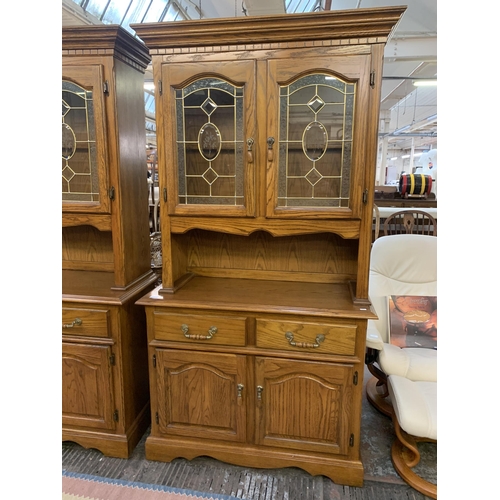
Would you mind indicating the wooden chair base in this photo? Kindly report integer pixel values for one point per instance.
(405, 456)
(377, 395)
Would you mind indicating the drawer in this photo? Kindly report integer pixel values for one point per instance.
(85, 322)
(220, 330)
(332, 338)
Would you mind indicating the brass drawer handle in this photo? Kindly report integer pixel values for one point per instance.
(211, 332)
(76, 322)
(319, 338)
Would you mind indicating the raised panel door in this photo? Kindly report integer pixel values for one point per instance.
(87, 387)
(303, 405)
(201, 395)
(208, 119)
(316, 125)
(84, 147)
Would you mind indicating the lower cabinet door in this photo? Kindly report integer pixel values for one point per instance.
(303, 405)
(200, 395)
(87, 386)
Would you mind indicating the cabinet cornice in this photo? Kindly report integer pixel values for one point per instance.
(106, 40)
(328, 25)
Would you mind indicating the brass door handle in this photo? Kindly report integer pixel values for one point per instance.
(211, 332)
(270, 153)
(250, 142)
(240, 388)
(259, 392)
(319, 338)
(76, 322)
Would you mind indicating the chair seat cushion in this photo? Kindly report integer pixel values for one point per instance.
(415, 405)
(414, 363)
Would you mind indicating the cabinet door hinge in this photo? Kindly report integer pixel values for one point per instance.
(372, 79)
(160, 87)
(111, 193)
(115, 415)
(112, 360)
(165, 195)
(157, 418)
(351, 440)
(105, 87)
(365, 196)
(154, 360)
(355, 378)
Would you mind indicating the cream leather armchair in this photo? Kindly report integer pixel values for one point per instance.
(402, 264)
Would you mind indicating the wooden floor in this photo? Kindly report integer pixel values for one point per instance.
(211, 476)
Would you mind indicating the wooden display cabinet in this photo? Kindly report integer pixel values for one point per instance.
(267, 139)
(105, 234)
(104, 171)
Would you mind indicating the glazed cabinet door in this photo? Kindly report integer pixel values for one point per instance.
(84, 149)
(316, 126)
(87, 386)
(200, 395)
(208, 120)
(303, 405)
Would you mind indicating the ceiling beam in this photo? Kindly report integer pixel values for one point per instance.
(265, 7)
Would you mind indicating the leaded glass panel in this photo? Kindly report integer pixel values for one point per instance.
(80, 179)
(315, 142)
(210, 152)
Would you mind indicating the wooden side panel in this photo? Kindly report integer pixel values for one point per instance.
(130, 211)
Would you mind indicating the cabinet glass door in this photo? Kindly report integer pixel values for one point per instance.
(83, 140)
(311, 149)
(212, 120)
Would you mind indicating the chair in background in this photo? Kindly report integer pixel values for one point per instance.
(415, 420)
(403, 264)
(376, 222)
(156, 255)
(154, 206)
(410, 222)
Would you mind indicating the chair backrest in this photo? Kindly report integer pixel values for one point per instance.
(376, 220)
(402, 264)
(410, 222)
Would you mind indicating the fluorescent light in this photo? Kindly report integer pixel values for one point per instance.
(405, 156)
(425, 83)
(394, 159)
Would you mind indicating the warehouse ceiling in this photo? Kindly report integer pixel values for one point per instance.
(408, 118)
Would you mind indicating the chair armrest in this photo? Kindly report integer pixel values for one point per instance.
(374, 339)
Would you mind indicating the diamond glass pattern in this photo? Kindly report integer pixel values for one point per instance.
(210, 142)
(315, 134)
(80, 182)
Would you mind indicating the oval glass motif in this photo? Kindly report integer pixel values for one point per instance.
(209, 141)
(314, 141)
(68, 142)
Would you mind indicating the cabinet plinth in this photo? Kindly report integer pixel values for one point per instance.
(267, 140)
